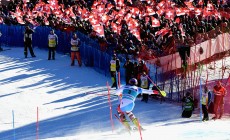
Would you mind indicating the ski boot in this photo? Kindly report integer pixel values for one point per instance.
(124, 121)
(126, 124)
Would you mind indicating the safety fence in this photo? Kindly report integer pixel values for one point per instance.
(12, 36)
(169, 77)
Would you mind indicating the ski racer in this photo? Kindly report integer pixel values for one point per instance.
(128, 95)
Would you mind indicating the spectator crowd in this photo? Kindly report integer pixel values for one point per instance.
(144, 29)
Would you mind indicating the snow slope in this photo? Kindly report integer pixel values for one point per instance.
(72, 104)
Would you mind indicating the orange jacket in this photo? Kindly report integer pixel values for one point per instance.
(221, 90)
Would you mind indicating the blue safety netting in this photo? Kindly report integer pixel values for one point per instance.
(12, 36)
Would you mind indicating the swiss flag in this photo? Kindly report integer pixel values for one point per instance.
(134, 10)
(200, 2)
(121, 13)
(160, 12)
(38, 6)
(180, 11)
(95, 4)
(84, 13)
(20, 21)
(198, 11)
(46, 8)
(116, 28)
(155, 22)
(150, 11)
(161, 5)
(189, 5)
(99, 29)
(113, 14)
(67, 11)
(53, 4)
(101, 8)
(40, 14)
(127, 17)
(104, 18)
(93, 19)
(210, 7)
(206, 12)
(18, 12)
(136, 33)
(187, 11)
(132, 23)
(170, 14)
(58, 13)
(71, 13)
(216, 14)
(119, 3)
(163, 31)
(177, 20)
(109, 6)
(119, 20)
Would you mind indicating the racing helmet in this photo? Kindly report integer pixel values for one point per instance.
(133, 82)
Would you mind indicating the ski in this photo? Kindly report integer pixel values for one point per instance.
(126, 127)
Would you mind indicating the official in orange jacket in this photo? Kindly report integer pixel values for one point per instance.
(219, 92)
(75, 50)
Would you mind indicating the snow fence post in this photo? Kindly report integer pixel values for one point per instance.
(13, 124)
(37, 127)
(200, 99)
(200, 72)
(110, 106)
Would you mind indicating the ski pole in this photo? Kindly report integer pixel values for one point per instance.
(163, 93)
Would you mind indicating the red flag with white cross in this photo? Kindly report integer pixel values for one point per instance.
(99, 29)
(155, 22)
(170, 14)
